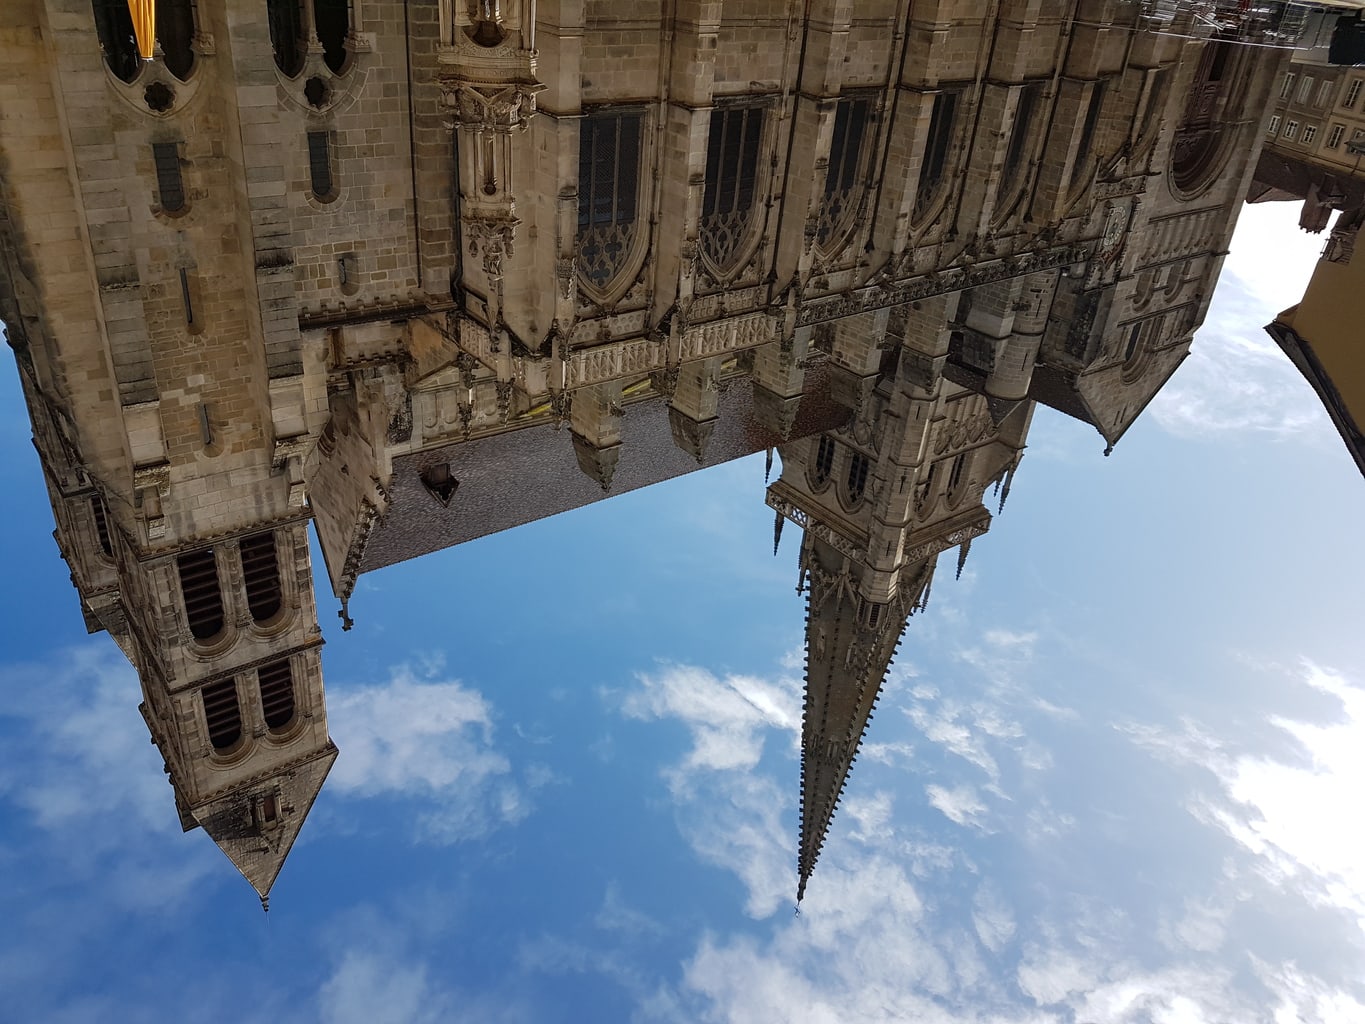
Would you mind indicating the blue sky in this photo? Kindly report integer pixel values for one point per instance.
(1113, 777)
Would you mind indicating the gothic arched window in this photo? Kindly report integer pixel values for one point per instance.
(276, 684)
(937, 145)
(114, 26)
(222, 714)
(285, 18)
(320, 179)
(856, 481)
(841, 179)
(824, 462)
(333, 21)
(102, 526)
(261, 574)
(1199, 149)
(609, 148)
(1021, 131)
(1087, 140)
(175, 33)
(203, 598)
(731, 182)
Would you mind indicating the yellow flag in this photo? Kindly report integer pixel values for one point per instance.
(144, 26)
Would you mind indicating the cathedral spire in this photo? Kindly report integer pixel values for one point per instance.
(850, 642)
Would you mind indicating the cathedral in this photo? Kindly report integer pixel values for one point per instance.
(421, 271)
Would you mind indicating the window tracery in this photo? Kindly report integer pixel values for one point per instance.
(609, 155)
(937, 144)
(731, 183)
(841, 177)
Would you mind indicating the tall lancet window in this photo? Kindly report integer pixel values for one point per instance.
(608, 184)
(731, 183)
(203, 598)
(276, 683)
(841, 180)
(1012, 177)
(285, 18)
(175, 33)
(114, 26)
(333, 21)
(261, 574)
(937, 146)
(856, 481)
(222, 714)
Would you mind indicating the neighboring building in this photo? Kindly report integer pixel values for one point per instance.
(363, 269)
(1322, 333)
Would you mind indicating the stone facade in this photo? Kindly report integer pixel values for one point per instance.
(394, 275)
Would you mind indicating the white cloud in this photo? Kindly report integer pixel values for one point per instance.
(615, 915)
(726, 717)
(1284, 813)
(960, 804)
(431, 740)
(992, 917)
(1236, 379)
(372, 988)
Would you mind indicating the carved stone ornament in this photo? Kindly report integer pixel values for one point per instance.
(492, 107)
(665, 381)
(503, 389)
(492, 236)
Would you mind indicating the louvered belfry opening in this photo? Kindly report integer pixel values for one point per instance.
(203, 599)
(276, 681)
(102, 526)
(261, 573)
(223, 714)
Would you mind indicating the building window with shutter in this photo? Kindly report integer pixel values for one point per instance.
(222, 714)
(1306, 88)
(169, 184)
(320, 179)
(1291, 130)
(203, 598)
(1273, 125)
(1353, 93)
(261, 574)
(609, 153)
(276, 684)
(731, 183)
(1334, 136)
(1324, 93)
(1287, 86)
(1310, 132)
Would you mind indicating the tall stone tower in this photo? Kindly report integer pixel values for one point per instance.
(170, 409)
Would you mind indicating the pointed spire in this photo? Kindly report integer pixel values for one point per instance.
(962, 551)
(849, 646)
(768, 467)
(1009, 479)
(777, 531)
(256, 824)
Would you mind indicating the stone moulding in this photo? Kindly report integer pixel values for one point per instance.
(880, 296)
